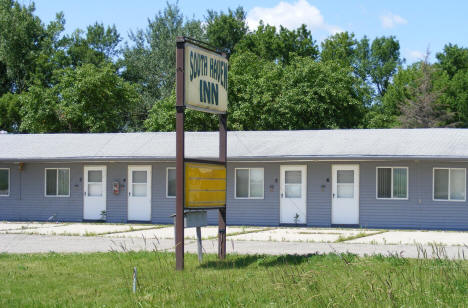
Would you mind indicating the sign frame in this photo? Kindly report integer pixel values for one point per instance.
(180, 153)
(205, 67)
(206, 162)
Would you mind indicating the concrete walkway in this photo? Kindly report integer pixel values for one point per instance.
(25, 243)
(36, 237)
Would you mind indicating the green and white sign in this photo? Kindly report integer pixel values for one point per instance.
(206, 80)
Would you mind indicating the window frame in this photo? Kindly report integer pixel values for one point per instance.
(249, 197)
(449, 191)
(391, 182)
(9, 182)
(167, 183)
(45, 183)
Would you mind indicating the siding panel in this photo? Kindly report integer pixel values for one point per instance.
(27, 200)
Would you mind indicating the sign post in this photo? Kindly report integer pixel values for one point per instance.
(180, 154)
(202, 82)
(222, 211)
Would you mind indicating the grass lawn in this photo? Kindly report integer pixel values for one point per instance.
(105, 280)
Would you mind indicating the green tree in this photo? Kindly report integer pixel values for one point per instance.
(382, 61)
(341, 48)
(272, 45)
(305, 94)
(254, 84)
(388, 112)
(453, 59)
(162, 115)
(150, 61)
(98, 46)
(424, 107)
(10, 118)
(86, 99)
(224, 31)
(344, 49)
(21, 39)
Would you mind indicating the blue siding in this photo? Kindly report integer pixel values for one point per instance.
(254, 211)
(419, 211)
(27, 200)
(319, 194)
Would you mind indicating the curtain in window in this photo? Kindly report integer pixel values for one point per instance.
(4, 182)
(457, 184)
(242, 183)
(63, 182)
(441, 177)
(51, 182)
(171, 182)
(400, 178)
(384, 182)
(256, 183)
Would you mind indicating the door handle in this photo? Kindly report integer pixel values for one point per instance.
(281, 195)
(129, 194)
(85, 193)
(333, 195)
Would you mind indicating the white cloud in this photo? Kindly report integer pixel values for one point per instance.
(291, 16)
(391, 20)
(417, 55)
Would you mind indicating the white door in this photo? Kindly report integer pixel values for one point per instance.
(139, 193)
(345, 194)
(94, 203)
(293, 194)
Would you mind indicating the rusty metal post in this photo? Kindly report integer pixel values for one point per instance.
(222, 212)
(180, 154)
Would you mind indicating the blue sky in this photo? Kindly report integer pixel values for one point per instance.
(417, 24)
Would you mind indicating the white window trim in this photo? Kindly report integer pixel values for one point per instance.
(391, 182)
(9, 182)
(249, 197)
(45, 183)
(167, 182)
(433, 184)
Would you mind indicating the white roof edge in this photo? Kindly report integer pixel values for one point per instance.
(233, 159)
(358, 144)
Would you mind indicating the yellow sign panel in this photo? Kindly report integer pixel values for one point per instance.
(206, 80)
(205, 185)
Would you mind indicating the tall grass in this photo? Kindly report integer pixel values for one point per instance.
(333, 280)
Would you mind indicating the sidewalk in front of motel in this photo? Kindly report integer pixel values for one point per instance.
(34, 237)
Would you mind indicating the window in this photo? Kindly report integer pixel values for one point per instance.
(57, 182)
(249, 183)
(449, 184)
(293, 183)
(392, 183)
(345, 183)
(171, 183)
(4, 182)
(139, 183)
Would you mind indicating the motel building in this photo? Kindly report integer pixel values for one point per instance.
(382, 178)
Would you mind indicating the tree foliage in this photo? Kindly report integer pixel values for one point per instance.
(279, 78)
(304, 94)
(86, 99)
(224, 31)
(150, 61)
(279, 45)
(22, 37)
(422, 108)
